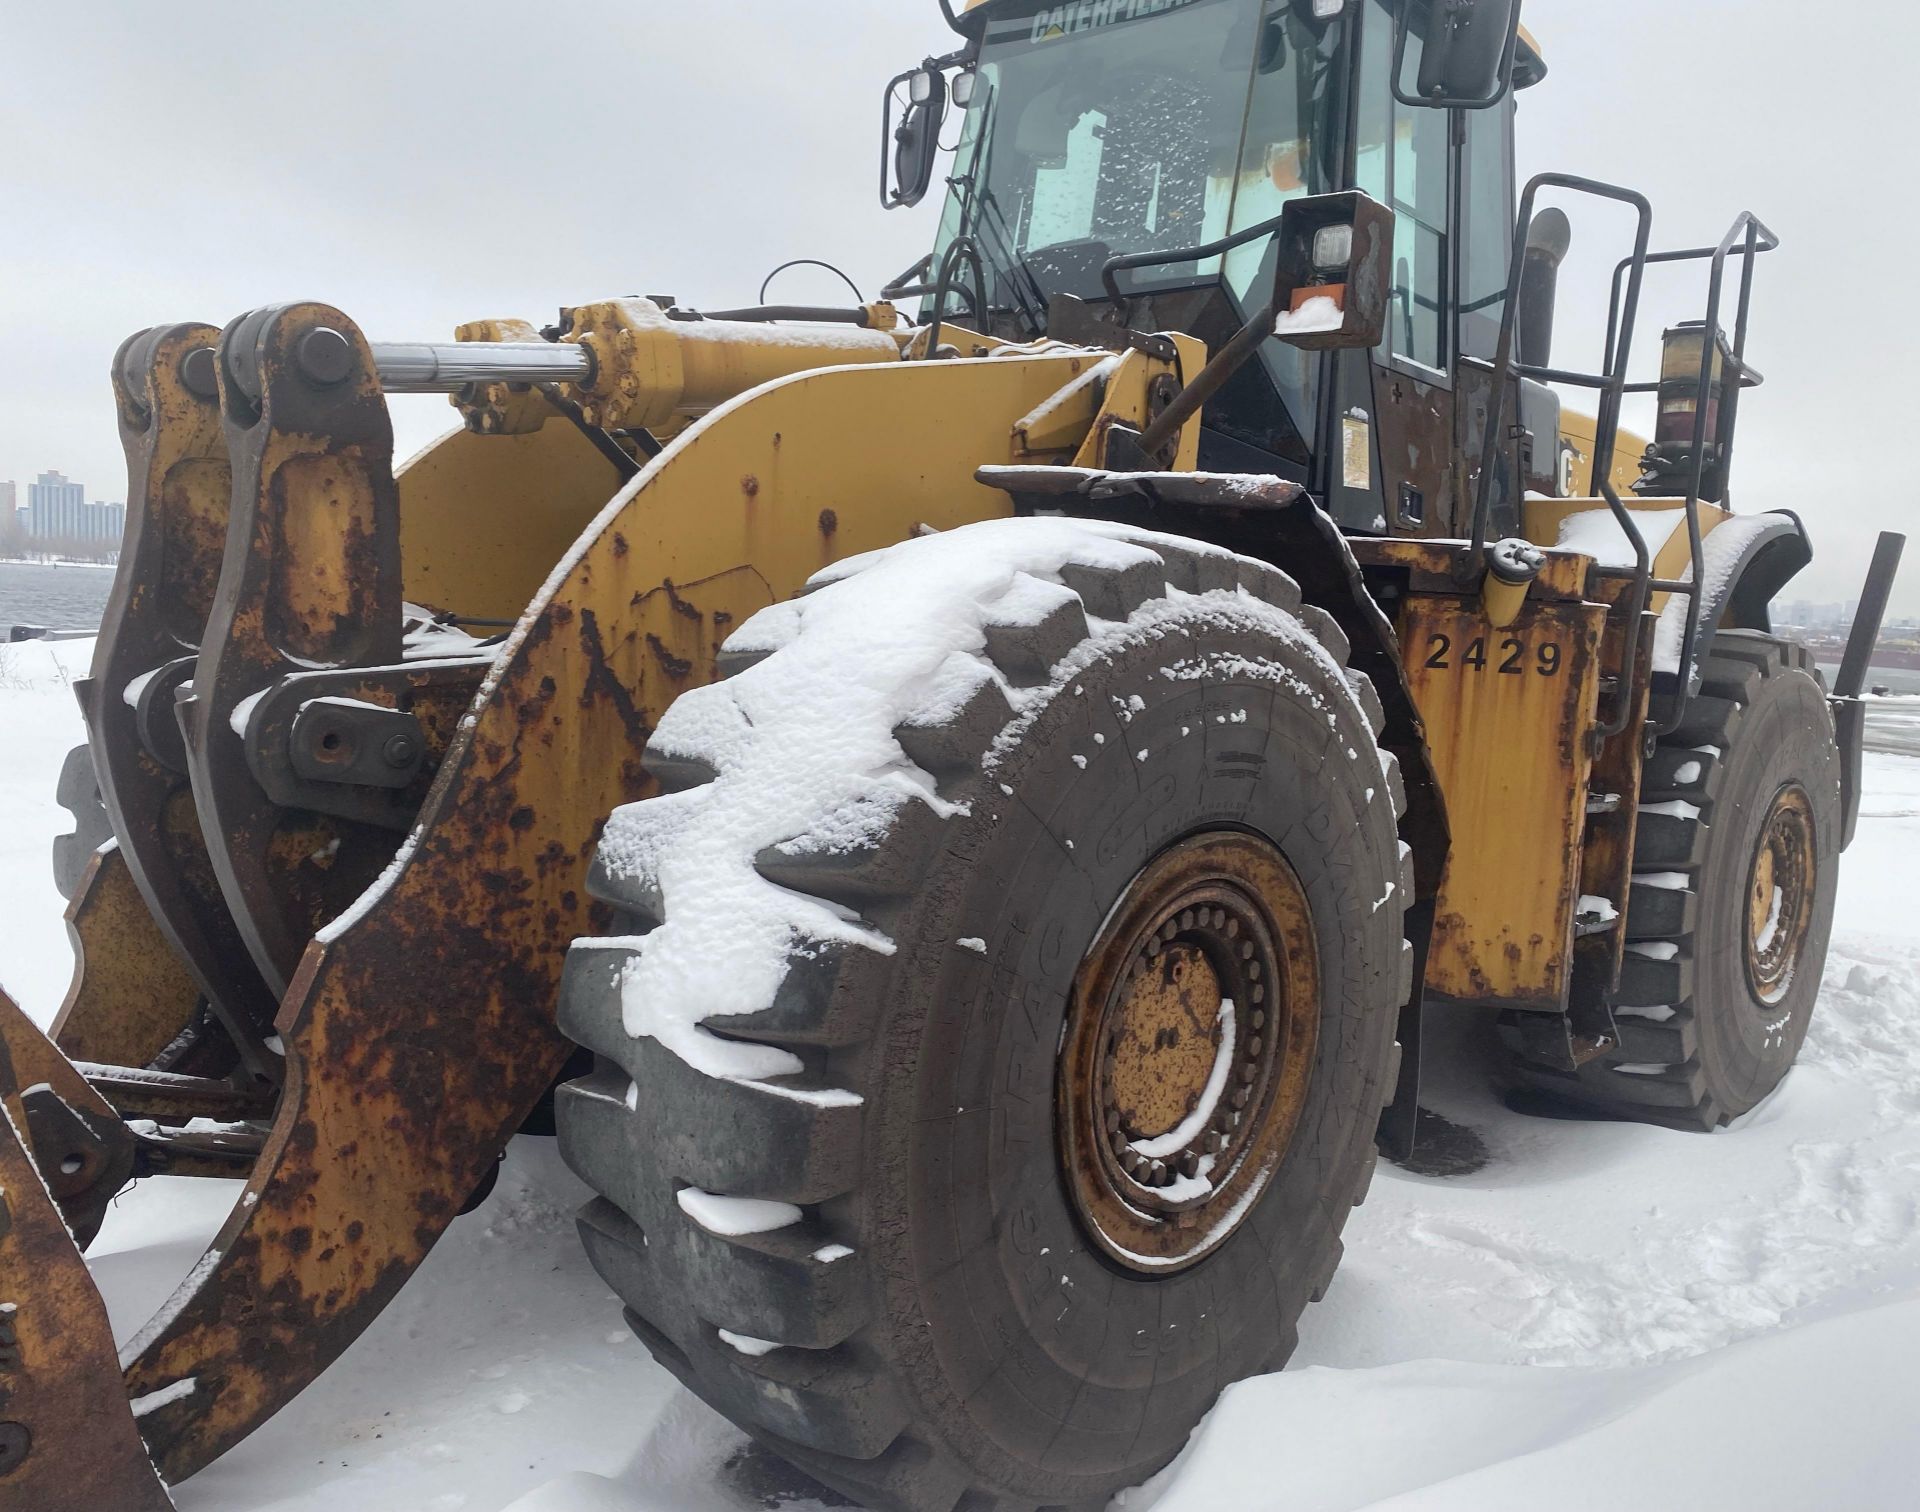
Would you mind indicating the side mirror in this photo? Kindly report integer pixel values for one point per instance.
(910, 144)
(1466, 58)
(1331, 279)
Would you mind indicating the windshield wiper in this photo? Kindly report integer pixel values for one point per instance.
(1033, 298)
(981, 198)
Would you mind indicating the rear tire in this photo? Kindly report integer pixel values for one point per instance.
(1745, 796)
(936, 1321)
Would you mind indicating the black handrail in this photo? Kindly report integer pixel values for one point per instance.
(1747, 228)
(967, 247)
(1611, 384)
(1117, 265)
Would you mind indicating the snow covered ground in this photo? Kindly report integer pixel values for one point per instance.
(1604, 1316)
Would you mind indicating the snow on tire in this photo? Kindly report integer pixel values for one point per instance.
(944, 792)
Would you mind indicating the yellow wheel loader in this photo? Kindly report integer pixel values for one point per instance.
(953, 807)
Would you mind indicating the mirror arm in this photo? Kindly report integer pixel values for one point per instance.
(906, 285)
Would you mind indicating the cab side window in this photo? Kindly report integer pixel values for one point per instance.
(1488, 237)
(1402, 162)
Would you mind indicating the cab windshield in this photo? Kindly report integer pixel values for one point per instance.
(1124, 126)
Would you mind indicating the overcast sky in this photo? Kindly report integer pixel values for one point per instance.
(420, 164)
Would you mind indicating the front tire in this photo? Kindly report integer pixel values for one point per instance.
(1162, 854)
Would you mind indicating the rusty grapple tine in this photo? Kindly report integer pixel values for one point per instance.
(68, 1441)
(83, 1150)
(309, 580)
(179, 482)
(130, 997)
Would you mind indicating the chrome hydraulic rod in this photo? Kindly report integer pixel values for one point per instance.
(444, 367)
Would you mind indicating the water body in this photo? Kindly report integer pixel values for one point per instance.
(56, 598)
(1897, 680)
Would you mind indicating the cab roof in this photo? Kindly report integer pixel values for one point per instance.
(1530, 64)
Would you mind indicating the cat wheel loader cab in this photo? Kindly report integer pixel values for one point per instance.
(956, 820)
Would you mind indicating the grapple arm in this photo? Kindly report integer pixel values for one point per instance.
(67, 1435)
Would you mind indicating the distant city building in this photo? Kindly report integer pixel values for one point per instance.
(55, 507)
(57, 510)
(9, 500)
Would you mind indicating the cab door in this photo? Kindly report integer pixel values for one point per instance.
(1484, 217)
(1404, 157)
(1405, 441)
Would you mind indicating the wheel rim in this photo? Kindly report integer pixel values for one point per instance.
(1188, 1051)
(1780, 895)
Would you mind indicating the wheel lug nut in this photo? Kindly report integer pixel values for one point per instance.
(1157, 1173)
(1240, 1096)
(1190, 1163)
(1254, 1047)
(1186, 920)
(1246, 950)
(1113, 1120)
(1233, 929)
(1259, 995)
(1253, 971)
(1259, 1019)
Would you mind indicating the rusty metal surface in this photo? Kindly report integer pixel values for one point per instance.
(1507, 713)
(310, 580)
(1441, 567)
(420, 1032)
(162, 1095)
(177, 497)
(1606, 857)
(67, 1438)
(1219, 918)
(1043, 487)
(225, 1153)
(131, 997)
(78, 1141)
(484, 518)
(1781, 891)
(284, 735)
(1417, 450)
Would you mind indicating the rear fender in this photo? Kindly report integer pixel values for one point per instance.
(1740, 592)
